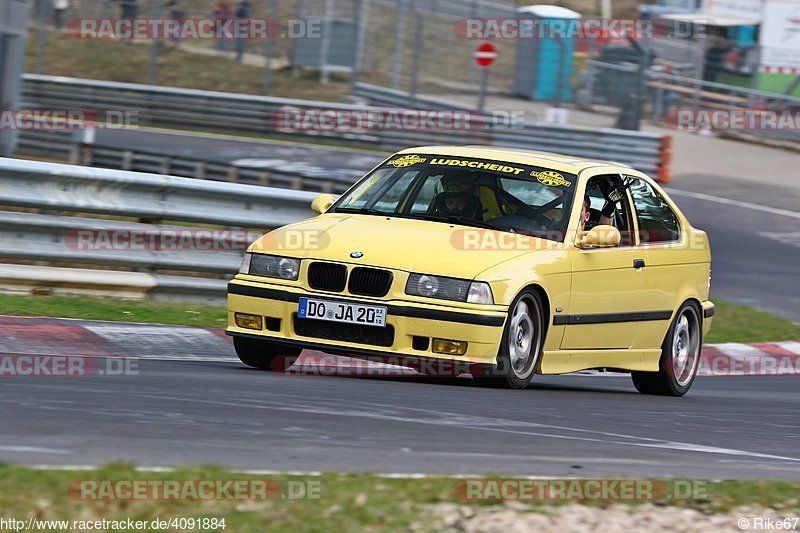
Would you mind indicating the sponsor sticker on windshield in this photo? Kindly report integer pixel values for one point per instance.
(406, 161)
(551, 178)
(484, 165)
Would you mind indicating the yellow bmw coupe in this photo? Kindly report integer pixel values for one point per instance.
(509, 262)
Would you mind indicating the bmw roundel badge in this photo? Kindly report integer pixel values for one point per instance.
(357, 255)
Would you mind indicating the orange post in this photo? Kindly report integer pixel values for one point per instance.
(665, 153)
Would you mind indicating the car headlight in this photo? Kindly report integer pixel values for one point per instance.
(458, 290)
(271, 266)
(480, 293)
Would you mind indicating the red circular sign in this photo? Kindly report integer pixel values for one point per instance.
(485, 54)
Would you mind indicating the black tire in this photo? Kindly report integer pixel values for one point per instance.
(680, 356)
(265, 355)
(520, 347)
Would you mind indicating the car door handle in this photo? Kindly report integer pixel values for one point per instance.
(638, 263)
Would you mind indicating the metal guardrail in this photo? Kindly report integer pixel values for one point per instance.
(53, 143)
(193, 109)
(143, 161)
(38, 237)
(648, 152)
(56, 191)
(386, 96)
(679, 92)
(68, 146)
(154, 197)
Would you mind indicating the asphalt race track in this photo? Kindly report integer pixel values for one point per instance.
(755, 248)
(203, 406)
(223, 413)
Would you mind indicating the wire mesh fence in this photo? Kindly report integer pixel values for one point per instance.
(388, 42)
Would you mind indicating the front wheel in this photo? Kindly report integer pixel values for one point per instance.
(680, 356)
(520, 347)
(265, 355)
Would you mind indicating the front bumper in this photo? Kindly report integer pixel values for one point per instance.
(709, 309)
(480, 328)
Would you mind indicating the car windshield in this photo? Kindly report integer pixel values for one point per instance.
(468, 191)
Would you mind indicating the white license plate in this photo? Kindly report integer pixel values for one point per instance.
(368, 315)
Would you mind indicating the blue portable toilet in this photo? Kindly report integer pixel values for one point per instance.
(539, 56)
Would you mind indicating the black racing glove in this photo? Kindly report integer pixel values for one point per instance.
(613, 197)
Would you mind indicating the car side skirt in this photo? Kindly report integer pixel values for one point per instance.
(566, 361)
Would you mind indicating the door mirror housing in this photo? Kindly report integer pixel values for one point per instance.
(602, 236)
(322, 203)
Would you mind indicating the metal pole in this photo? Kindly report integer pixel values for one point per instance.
(415, 58)
(644, 60)
(41, 37)
(559, 73)
(326, 43)
(605, 9)
(473, 68)
(13, 37)
(482, 91)
(701, 60)
(300, 12)
(152, 68)
(273, 9)
(757, 70)
(399, 44)
(359, 22)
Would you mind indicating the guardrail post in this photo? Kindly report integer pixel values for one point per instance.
(127, 160)
(75, 154)
(297, 183)
(658, 102)
(200, 170)
(233, 174)
(166, 163)
(263, 178)
(86, 155)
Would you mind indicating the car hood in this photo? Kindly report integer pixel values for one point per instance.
(399, 243)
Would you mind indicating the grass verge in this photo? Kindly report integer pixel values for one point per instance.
(732, 322)
(340, 502)
(90, 308)
(740, 323)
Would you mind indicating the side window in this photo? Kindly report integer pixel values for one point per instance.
(657, 221)
(621, 219)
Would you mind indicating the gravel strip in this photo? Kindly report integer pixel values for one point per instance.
(514, 517)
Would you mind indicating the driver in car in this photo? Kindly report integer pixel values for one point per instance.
(613, 197)
(457, 199)
(458, 203)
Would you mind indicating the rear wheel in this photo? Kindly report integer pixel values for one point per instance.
(265, 355)
(680, 356)
(520, 347)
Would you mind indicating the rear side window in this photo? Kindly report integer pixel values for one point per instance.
(657, 221)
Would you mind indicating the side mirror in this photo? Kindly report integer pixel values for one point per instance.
(322, 203)
(598, 237)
